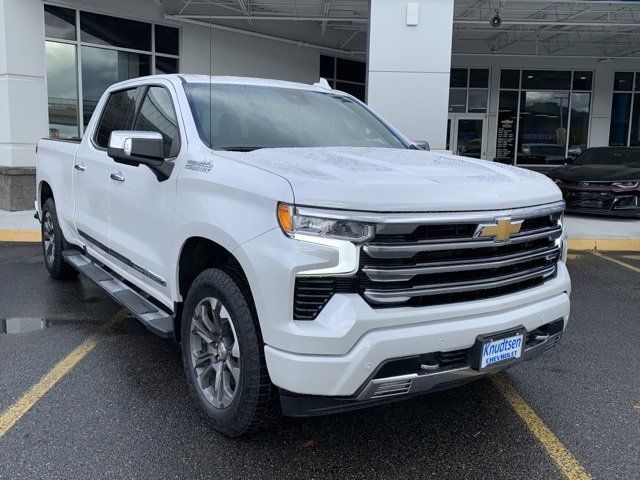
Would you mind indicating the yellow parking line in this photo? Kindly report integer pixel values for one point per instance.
(15, 412)
(564, 460)
(20, 236)
(615, 260)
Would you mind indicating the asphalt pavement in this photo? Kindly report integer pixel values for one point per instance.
(124, 410)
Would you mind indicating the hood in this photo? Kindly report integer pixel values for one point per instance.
(595, 173)
(398, 180)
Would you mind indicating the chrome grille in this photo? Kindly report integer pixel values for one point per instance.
(419, 264)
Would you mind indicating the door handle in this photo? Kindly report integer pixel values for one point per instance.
(118, 177)
(79, 167)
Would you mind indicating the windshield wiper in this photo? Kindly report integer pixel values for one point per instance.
(240, 149)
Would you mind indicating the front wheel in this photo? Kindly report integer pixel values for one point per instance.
(222, 353)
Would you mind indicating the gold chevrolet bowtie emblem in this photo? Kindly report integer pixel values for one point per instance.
(501, 231)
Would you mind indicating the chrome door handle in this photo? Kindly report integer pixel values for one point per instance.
(80, 167)
(118, 177)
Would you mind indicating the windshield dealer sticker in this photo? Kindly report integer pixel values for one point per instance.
(199, 165)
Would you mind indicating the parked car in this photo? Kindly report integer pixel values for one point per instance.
(305, 254)
(603, 180)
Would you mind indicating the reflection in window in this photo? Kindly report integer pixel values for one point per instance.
(579, 129)
(59, 22)
(114, 31)
(166, 65)
(157, 115)
(543, 127)
(117, 115)
(62, 90)
(477, 101)
(457, 100)
(620, 111)
(634, 141)
(103, 67)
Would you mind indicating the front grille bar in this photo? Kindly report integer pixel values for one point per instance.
(403, 295)
(410, 250)
(404, 274)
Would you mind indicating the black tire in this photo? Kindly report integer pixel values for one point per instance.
(53, 243)
(255, 403)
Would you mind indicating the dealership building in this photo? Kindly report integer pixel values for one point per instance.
(521, 82)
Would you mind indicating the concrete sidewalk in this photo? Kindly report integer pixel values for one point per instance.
(585, 232)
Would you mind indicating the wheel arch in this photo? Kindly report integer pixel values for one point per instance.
(44, 192)
(198, 254)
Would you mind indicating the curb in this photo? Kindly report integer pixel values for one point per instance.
(605, 244)
(20, 236)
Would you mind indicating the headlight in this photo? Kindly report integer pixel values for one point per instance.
(295, 225)
(562, 242)
(342, 235)
(630, 184)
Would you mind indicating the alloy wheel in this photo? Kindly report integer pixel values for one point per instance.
(48, 235)
(215, 352)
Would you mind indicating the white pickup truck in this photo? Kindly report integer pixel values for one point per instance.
(306, 255)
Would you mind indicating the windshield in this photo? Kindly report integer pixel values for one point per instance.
(248, 117)
(629, 157)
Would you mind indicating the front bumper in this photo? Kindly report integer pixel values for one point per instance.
(602, 202)
(381, 390)
(345, 374)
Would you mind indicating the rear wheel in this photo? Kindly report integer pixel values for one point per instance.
(53, 243)
(222, 353)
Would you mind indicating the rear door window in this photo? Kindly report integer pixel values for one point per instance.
(117, 115)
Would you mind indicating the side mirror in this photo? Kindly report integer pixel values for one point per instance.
(421, 145)
(140, 148)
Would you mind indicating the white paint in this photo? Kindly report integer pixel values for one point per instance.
(23, 96)
(413, 14)
(409, 67)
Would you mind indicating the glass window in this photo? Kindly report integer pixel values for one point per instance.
(634, 141)
(579, 125)
(542, 135)
(355, 89)
(62, 90)
(167, 40)
(623, 81)
(166, 65)
(637, 84)
(351, 71)
(582, 80)
(510, 79)
(458, 78)
(620, 111)
(546, 80)
(327, 67)
(59, 22)
(158, 115)
(248, 117)
(102, 67)
(114, 31)
(507, 125)
(477, 101)
(117, 115)
(458, 100)
(479, 78)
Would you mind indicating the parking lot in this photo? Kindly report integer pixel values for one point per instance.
(123, 410)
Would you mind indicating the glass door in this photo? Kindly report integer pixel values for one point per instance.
(467, 135)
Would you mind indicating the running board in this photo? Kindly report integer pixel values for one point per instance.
(152, 317)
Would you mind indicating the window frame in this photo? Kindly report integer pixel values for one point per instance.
(79, 44)
(140, 96)
(335, 78)
(467, 89)
(177, 145)
(634, 90)
(520, 90)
